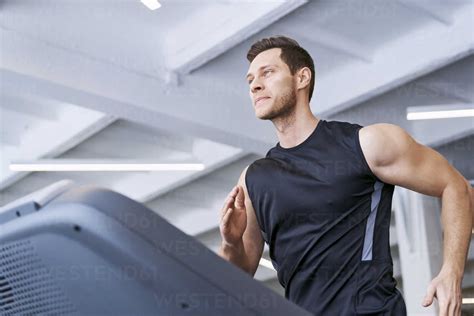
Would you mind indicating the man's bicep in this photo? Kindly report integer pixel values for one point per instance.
(396, 158)
(422, 169)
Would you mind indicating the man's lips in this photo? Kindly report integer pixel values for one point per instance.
(260, 100)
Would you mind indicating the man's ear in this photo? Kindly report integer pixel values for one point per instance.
(303, 77)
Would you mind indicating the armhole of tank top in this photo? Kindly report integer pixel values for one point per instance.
(361, 155)
(268, 152)
(262, 232)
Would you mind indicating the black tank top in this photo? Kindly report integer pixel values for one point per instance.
(326, 219)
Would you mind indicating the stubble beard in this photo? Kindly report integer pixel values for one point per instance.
(283, 108)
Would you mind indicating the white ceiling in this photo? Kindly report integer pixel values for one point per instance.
(114, 80)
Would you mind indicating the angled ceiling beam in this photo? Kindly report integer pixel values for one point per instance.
(448, 88)
(50, 139)
(433, 9)
(149, 186)
(332, 41)
(451, 85)
(187, 109)
(12, 126)
(247, 19)
(430, 132)
(19, 83)
(32, 108)
(216, 110)
(430, 55)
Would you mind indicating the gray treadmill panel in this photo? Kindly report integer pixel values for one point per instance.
(92, 251)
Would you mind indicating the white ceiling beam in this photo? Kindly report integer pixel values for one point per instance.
(455, 89)
(9, 137)
(193, 207)
(187, 109)
(146, 186)
(421, 51)
(435, 133)
(247, 19)
(433, 9)
(14, 125)
(149, 186)
(256, 140)
(50, 139)
(31, 108)
(454, 82)
(332, 41)
(215, 110)
(451, 85)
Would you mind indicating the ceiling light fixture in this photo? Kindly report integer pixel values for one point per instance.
(439, 111)
(151, 4)
(82, 165)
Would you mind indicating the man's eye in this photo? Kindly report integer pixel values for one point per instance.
(267, 71)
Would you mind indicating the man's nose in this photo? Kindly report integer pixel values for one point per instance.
(255, 85)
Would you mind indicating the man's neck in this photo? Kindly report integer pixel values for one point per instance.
(293, 131)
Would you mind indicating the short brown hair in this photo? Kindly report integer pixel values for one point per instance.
(292, 54)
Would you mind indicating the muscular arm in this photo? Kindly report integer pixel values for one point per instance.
(396, 158)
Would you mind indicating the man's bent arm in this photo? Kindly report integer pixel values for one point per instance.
(396, 158)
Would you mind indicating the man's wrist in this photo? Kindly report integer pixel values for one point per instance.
(453, 270)
(235, 253)
(234, 247)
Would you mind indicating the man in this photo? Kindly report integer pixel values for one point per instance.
(321, 198)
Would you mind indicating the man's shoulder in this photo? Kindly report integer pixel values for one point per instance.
(382, 142)
(259, 165)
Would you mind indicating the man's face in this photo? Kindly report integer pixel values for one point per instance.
(271, 85)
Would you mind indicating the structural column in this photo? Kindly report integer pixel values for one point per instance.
(419, 234)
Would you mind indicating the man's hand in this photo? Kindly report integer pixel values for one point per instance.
(233, 217)
(446, 287)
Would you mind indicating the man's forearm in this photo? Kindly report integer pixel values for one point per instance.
(456, 216)
(235, 254)
(472, 204)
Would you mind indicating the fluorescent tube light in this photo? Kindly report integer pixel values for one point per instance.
(440, 111)
(83, 165)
